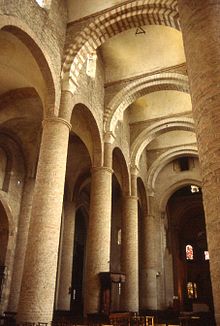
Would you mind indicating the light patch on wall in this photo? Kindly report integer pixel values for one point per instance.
(44, 3)
(91, 65)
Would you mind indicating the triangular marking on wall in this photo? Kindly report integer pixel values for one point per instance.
(140, 30)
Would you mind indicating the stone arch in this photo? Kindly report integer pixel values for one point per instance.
(166, 158)
(113, 22)
(155, 130)
(122, 171)
(142, 196)
(139, 88)
(27, 36)
(84, 120)
(83, 180)
(170, 190)
(8, 261)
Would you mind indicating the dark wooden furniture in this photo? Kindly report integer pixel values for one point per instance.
(110, 291)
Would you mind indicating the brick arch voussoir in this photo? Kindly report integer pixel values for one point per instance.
(28, 37)
(157, 129)
(166, 158)
(137, 89)
(111, 23)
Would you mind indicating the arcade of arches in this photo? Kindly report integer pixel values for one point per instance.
(109, 156)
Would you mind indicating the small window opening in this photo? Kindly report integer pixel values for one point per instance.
(119, 237)
(189, 252)
(194, 189)
(206, 254)
(192, 290)
(184, 163)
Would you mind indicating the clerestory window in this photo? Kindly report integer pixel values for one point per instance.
(192, 290)
(189, 252)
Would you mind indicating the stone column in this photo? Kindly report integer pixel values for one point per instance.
(66, 266)
(148, 286)
(39, 277)
(22, 237)
(109, 139)
(130, 249)
(200, 22)
(99, 235)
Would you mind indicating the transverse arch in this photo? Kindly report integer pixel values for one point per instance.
(155, 130)
(109, 24)
(139, 88)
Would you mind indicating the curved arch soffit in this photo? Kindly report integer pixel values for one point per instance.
(119, 155)
(26, 35)
(170, 191)
(143, 195)
(96, 138)
(158, 82)
(155, 130)
(109, 24)
(166, 158)
(4, 202)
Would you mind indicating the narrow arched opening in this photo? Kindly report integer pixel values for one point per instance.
(187, 243)
(4, 234)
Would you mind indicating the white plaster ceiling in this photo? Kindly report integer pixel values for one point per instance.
(159, 104)
(127, 54)
(173, 138)
(78, 9)
(18, 67)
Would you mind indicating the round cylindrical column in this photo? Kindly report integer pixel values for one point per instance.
(200, 22)
(98, 239)
(66, 266)
(109, 139)
(148, 287)
(23, 228)
(130, 253)
(39, 277)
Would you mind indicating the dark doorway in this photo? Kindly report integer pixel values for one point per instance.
(187, 232)
(78, 264)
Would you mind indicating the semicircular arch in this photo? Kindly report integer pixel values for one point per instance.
(166, 158)
(86, 127)
(138, 88)
(19, 29)
(109, 24)
(155, 130)
(176, 186)
(121, 170)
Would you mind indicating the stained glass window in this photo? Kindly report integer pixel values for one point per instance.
(119, 237)
(206, 254)
(189, 252)
(191, 290)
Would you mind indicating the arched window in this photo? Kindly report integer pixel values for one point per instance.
(189, 252)
(119, 237)
(191, 290)
(206, 254)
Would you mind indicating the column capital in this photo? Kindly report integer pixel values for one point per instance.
(134, 170)
(99, 168)
(56, 120)
(109, 137)
(130, 197)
